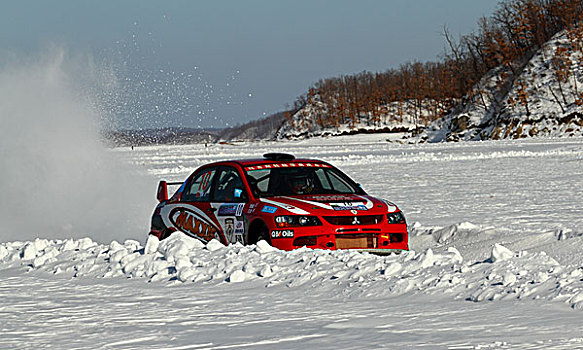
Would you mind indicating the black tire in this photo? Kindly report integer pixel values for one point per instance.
(264, 235)
(165, 233)
(258, 233)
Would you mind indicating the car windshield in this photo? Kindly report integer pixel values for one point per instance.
(281, 180)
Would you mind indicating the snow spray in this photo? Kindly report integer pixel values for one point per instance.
(57, 180)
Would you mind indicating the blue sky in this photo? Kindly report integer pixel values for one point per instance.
(233, 61)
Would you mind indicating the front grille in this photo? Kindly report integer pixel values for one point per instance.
(350, 220)
(340, 230)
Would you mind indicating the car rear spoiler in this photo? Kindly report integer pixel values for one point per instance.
(162, 194)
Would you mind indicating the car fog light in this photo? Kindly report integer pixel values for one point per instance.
(396, 237)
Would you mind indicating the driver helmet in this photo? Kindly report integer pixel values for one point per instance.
(301, 184)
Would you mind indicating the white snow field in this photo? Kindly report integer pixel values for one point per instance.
(496, 262)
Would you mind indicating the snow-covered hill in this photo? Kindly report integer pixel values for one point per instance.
(495, 261)
(397, 117)
(542, 98)
(538, 103)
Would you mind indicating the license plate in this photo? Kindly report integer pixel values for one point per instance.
(355, 242)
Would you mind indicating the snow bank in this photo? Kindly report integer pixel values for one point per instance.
(180, 259)
(449, 233)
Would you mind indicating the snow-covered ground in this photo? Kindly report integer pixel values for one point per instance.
(495, 262)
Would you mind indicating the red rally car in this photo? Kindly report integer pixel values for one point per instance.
(288, 202)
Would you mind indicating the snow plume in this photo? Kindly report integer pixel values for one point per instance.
(56, 178)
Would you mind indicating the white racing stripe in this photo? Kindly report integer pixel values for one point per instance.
(318, 204)
(366, 202)
(287, 207)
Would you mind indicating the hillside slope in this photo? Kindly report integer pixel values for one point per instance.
(394, 117)
(261, 129)
(542, 96)
(544, 100)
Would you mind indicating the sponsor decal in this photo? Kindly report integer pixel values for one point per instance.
(348, 206)
(239, 238)
(228, 210)
(231, 209)
(190, 223)
(239, 227)
(229, 228)
(287, 165)
(205, 183)
(239, 210)
(269, 209)
(282, 234)
(333, 202)
(238, 192)
(251, 208)
(332, 198)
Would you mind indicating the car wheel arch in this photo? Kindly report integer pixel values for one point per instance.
(257, 229)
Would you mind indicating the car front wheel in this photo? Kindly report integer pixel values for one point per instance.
(258, 232)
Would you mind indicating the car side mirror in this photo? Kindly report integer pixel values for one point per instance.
(162, 194)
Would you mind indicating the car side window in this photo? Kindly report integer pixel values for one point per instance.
(259, 181)
(199, 189)
(229, 187)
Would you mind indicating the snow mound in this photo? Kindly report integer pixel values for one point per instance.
(500, 253)
(449, 234)
(181, 259)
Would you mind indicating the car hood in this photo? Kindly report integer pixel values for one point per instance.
(339, 204)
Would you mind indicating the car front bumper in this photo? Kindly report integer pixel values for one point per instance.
(388, 238)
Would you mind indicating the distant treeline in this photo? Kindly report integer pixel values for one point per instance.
(261, 129)
(169, 136)
(506, 39)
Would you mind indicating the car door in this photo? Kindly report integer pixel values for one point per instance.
(228, 199)
(193, 214)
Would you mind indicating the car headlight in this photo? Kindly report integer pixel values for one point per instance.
(396, 218)
(296, 220)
